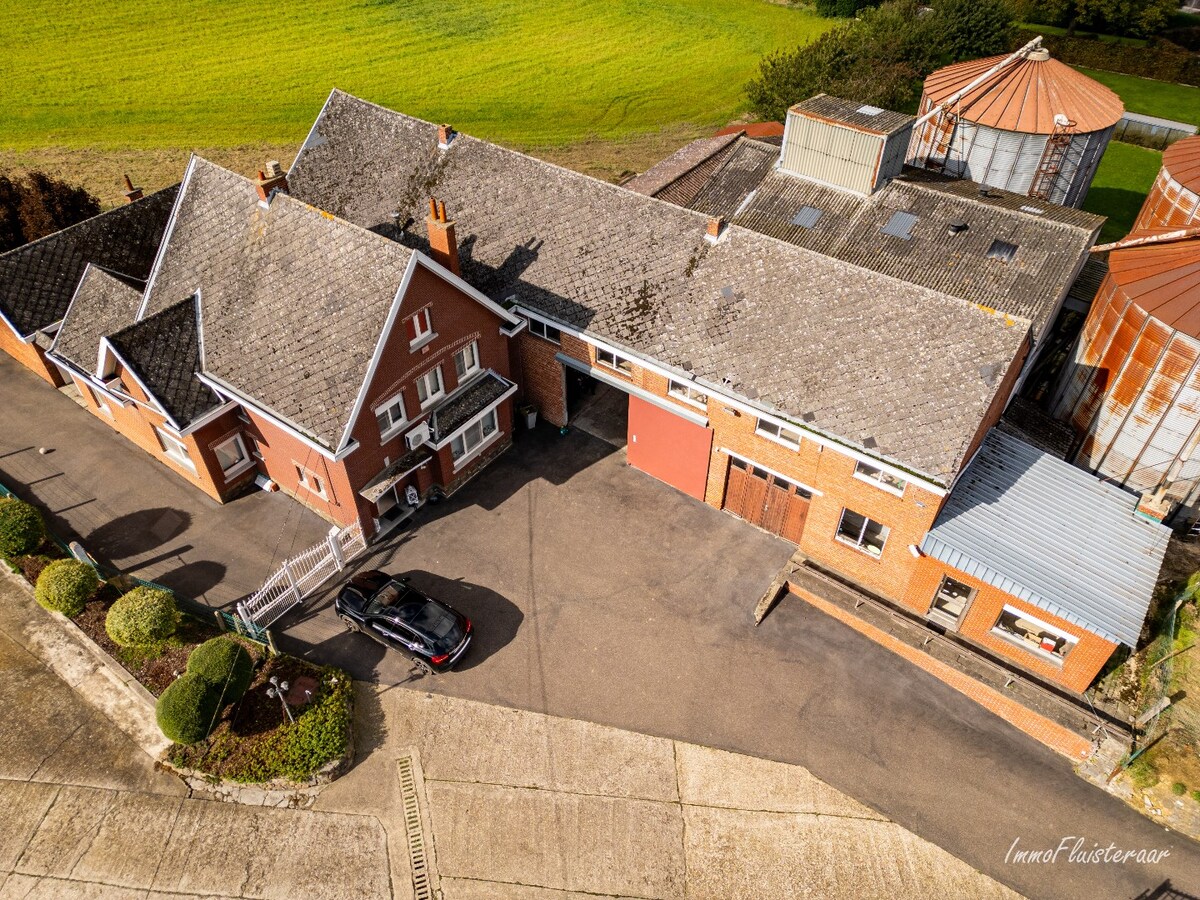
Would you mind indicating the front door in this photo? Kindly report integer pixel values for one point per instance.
(768, 501)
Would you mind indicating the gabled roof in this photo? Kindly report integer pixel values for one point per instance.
(685, 171)
(37, 280)
(1051, 534)
(163, 351)
(293, 301)
(873, 360)
(102, 305)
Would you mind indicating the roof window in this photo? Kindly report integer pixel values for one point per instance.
(1002, 250)
(870, 110)
(1033, 210)
(807, 217)
(900, 225)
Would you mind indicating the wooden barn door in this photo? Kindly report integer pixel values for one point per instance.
(765, 500)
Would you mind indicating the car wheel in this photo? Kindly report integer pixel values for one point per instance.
(350, 624)
(421, 665)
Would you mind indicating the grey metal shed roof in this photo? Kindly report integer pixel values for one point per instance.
(1053, 535)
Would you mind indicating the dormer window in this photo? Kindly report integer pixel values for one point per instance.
(420, 328)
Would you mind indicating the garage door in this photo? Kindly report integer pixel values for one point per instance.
(668, 447)
(766, 500)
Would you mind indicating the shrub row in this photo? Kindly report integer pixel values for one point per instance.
(142, 618)
(66, 585)
(22, 529)
(1159, 59)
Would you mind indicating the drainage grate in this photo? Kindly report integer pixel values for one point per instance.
(422, 888)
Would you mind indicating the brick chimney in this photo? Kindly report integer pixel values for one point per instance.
(271, 178)
(132, 193)
(445, 136)
(443, 245)
(716, 227)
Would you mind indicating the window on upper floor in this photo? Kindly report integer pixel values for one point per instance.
(542, 330)
(862, 533)
(614, 361)
(879, 478)
(420, 327)
(232, 456)
(430, 386)
(390, 416)
(466, 361)
(685, 392)
(785, 436)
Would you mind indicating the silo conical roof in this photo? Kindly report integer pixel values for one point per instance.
(1163, 279)
(1027, 94)
(1182, 162)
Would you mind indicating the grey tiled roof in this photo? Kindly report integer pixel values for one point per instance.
(853, 353)
(163, 349)
(740, 173)
(102, 304)
(1054, 535)
(855, 114)
(691, 165)
(38, 279)
(293, 301)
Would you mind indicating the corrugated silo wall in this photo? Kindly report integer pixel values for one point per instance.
(1133, 395)
(1168, 205)
(1079, 167)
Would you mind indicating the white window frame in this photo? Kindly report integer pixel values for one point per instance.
(540, 329)
(1048, 655)
(175, 449)
(242, 464)
(395, 426)
(431, 397)
(469, 453)
(467, 371)
(777, 437)
(305, 479)
(422, 328)
(681, 390)
(876, 476)
(859, 545)
(618, 364)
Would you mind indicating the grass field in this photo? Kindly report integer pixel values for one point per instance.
(223, 73)
(1121, 184)
(1178, 102)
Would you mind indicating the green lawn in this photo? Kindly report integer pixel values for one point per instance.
(1121, 184)
(1178, 102)
(151, 73)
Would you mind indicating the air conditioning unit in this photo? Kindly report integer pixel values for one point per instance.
(418, 436)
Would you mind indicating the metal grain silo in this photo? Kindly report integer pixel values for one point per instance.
(1132, 391)
(1025, 123)
(1174, 200)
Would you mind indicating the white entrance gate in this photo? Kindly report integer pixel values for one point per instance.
(302, 574)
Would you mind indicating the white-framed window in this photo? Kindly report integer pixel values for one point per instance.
(420, 327)
(232, 456)
(879, 478)
(430, 386)
(175, 449)
(1032, 634)
(688, 394)
(862, 533)
(311, 481)
(390, 417)
(614, 361)
(785, 436)
(542, 330)
(474, 436)
(466, 360)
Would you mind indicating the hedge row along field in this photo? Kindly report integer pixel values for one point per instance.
(105, 73)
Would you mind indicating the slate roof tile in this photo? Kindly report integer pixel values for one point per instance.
(103, 304)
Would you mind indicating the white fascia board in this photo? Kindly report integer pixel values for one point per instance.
(225, 389)
(166, 238)
(512, 389)
(155, 405)
(311, 132)
(442, 272)
(211, 416)
(377, 355)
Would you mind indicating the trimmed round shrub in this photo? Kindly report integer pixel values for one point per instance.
(1179, 789)
(65, 585)
(187, 709)
(22, 529)
(225, 664)
(143, 617)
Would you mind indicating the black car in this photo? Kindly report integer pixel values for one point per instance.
(393, 612)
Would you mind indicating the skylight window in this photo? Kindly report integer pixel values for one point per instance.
(1033, 210)
(900, 225)
(807, 217)
(870, 110)
(1002, 250)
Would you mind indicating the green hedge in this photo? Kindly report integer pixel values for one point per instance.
(22, 528)
(143, 617)
(188, 709)
(66, 585)
(1160, 60)
(225, 664)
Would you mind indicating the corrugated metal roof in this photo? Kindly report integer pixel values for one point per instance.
(1155, 120)
(1182, 162)
(1053, 535)
(1026, 95)
(854, 114)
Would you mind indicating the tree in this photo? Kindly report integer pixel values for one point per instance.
(1139, 18)
(37, 205)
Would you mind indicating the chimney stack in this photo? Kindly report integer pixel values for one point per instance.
(716, 226)
(445, 136)
(131, 193)
(443, 245)
(272, 179)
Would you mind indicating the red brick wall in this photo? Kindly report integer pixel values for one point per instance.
(1082, 663)
(542, 376)
(29, 355)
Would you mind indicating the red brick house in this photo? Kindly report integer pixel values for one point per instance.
(274, 342)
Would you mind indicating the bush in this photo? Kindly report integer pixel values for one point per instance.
(38, 205)
(65, 585)
(143, 617)
(1160, 59)
(225, 664)
(21, 528)
(1196, 796)
(1179, 789)
(187, 709)
(1143, 773)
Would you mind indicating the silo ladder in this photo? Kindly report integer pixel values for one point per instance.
(942, 133)
(1052, 159)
